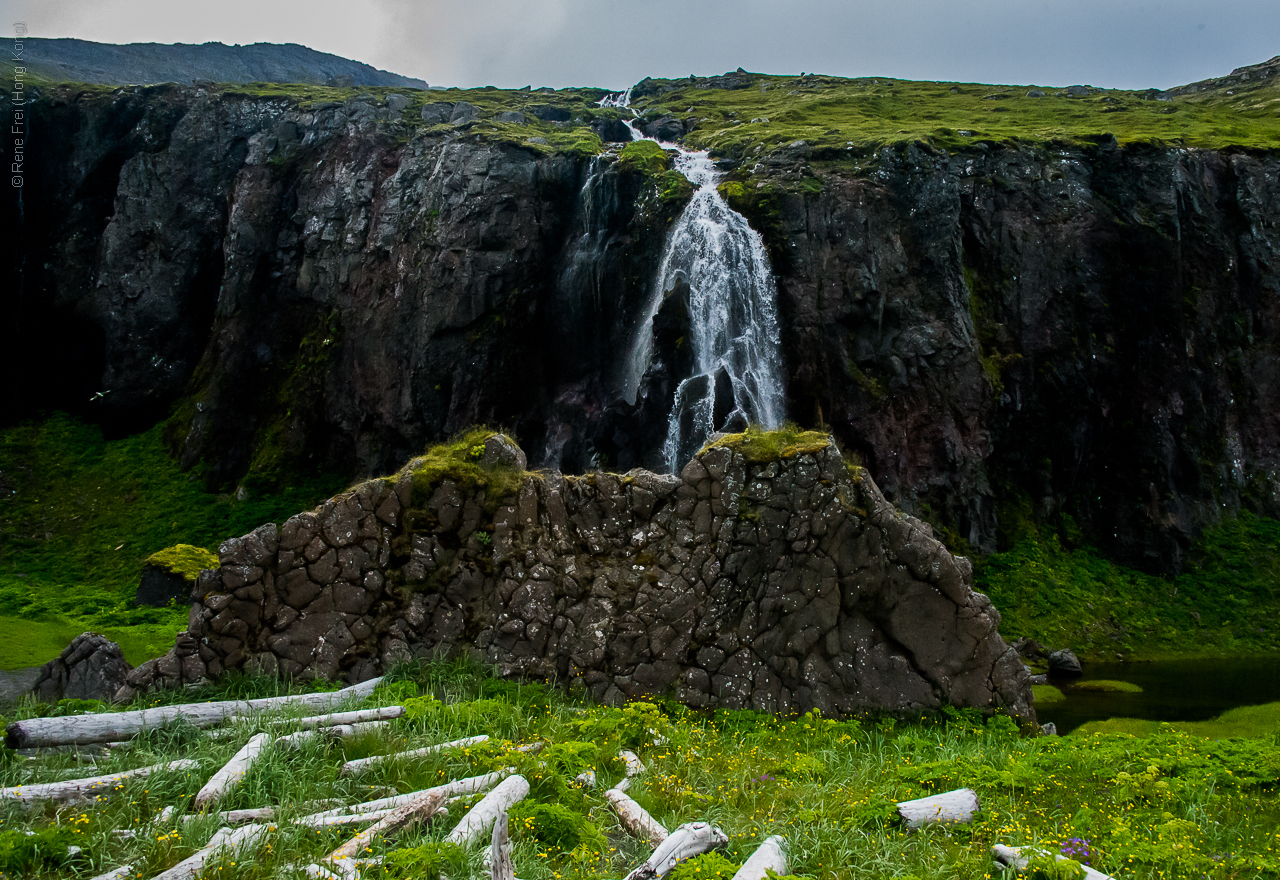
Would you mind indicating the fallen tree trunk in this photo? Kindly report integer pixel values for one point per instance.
(338, 731)
(769, 856)
(477, 823)
(948, 808)
(233, 773)
(636, 819)
(113, 726)
(500, 867)
(422, 807)
(225, 839)
(77, 789)
(362, 765)
(689, 840)
(468, 785)
(358, 716)
(1018, 857)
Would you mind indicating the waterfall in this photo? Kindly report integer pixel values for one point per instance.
(732, 314)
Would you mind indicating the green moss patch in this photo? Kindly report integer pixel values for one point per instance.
(1242, 722)
(460, 460)
(1107, 686)
(759, 445)
(184, 560)
(1046, 694)
(646, 157)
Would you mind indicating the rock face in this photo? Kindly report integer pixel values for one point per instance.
(781, 585)
(159, 586)
(92, 667)
(1082, 331)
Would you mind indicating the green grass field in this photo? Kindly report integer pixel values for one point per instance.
(79, 515)
(1165, 805)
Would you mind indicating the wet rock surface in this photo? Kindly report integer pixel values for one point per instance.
(778, 586)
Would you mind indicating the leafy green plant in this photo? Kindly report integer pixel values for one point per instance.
(708, 866)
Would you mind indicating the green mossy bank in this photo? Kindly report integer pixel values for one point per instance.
(80, 515)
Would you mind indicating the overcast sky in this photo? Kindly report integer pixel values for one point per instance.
(614, 43)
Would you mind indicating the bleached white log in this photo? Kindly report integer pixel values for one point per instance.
(634, 766)
(225, 839)
(532, 748)
(113, 726)
(624, 784)
(358, 716)
(769, 856)
(948, 808)
(500, 867)
(119, 873)
(477, 823)
(336, 731)
(233, 773)
(165, 815)
(1018, 857)
(79, 789)
(362, 765)
(636, 819)
(469, 785)
(689, 840)
(420, 808)
(587, 779)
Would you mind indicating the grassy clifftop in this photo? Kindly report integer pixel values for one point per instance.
(834, 115)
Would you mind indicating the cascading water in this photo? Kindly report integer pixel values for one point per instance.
(732, 314)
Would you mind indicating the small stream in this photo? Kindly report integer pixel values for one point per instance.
(1172, 690)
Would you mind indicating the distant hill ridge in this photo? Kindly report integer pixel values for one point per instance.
(136, 63)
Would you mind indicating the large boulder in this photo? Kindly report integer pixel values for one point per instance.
(92, 667)
(169, 575)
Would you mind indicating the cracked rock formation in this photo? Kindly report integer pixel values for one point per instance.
(781, 585)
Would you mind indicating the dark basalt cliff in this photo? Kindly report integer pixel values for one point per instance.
(1082, 330)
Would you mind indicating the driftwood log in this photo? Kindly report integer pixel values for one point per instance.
(500, 867)
(420, 808)
(119, 873)
(636, 819)
(469, 785)
(80, 789)
(948, 808)
(114, 726)
(632, 761)
(587, 779)
(769, 856)
(689, 840)
(624, 784)
(232, 774)
(226, 838)
(1018, 857)
(477, 823)
(362, 765)
(336, 731)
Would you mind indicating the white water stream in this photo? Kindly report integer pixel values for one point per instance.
(732, 311)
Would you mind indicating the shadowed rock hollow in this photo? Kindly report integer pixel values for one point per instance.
(777, 579)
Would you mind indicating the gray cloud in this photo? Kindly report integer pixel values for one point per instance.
(511, 43)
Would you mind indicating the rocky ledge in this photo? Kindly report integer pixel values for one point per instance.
(784, 584)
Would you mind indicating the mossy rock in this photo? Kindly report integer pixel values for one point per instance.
(478, 458)
(759, 445)
(1107, 686)
(169, 574)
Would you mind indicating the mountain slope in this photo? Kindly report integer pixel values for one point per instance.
(85, 61)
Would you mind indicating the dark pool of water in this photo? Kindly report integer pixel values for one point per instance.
(1172, 690)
